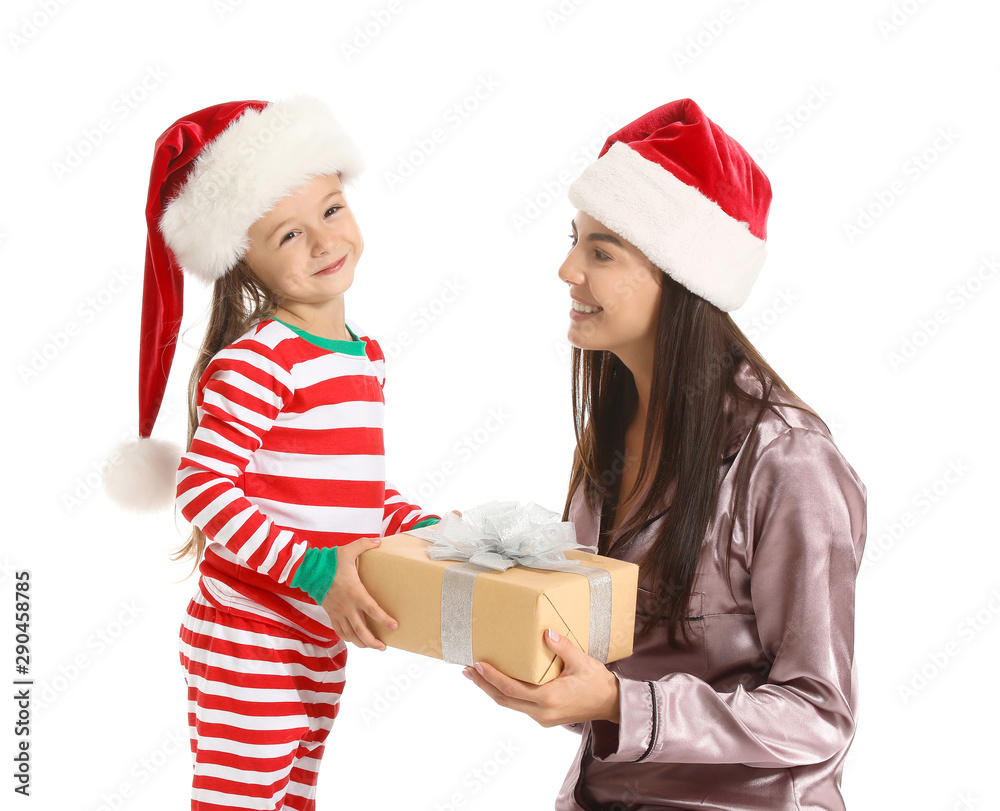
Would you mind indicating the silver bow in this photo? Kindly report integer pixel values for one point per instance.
(502, 534)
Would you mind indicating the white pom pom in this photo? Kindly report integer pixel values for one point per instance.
(141, 474)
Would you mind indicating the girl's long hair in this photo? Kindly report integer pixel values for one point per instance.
(239, 300)
(698, 349)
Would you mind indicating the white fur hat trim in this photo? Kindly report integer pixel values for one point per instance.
(262, 157)
(679, 229)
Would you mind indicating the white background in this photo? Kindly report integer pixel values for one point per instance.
(886, 84)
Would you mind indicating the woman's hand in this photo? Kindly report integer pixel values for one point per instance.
(585, 690)
(347, 601)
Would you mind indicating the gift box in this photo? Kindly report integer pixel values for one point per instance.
(485, 587)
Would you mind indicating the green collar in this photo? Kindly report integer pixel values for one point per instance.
(353, 347)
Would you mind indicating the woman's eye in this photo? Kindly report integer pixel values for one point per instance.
(601, 256)
(572, 240)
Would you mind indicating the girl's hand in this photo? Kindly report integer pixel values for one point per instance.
(585, 690)
(348, 600)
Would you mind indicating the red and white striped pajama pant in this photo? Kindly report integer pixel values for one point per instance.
(260, 705)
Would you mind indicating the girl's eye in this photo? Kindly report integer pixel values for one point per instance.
(287, 237)
(332, 210)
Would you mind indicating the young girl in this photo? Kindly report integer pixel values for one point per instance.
(285, 463)
(697, 462)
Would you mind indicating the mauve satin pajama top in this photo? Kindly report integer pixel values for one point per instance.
(758, 710)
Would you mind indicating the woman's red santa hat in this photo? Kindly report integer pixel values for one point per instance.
(215, 173)
(686, 195)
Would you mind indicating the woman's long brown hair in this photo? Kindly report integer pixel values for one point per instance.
(239, 301)
(698, 349)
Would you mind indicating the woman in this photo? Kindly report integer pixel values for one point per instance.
(695, 461)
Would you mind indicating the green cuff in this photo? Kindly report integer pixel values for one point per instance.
(316, 572)
(427, 522)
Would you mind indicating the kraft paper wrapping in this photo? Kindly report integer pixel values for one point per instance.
(510, 609)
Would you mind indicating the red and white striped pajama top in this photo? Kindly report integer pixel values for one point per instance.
(288, 456)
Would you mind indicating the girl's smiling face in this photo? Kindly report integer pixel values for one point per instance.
(615, 291)
(305, 249)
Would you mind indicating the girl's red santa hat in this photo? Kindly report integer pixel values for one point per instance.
(685, 194)
(215, 172)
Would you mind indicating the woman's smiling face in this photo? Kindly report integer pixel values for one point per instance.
(615, 291)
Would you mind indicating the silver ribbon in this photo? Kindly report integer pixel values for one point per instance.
(456, 613)
(495, 537)
(600, 611)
